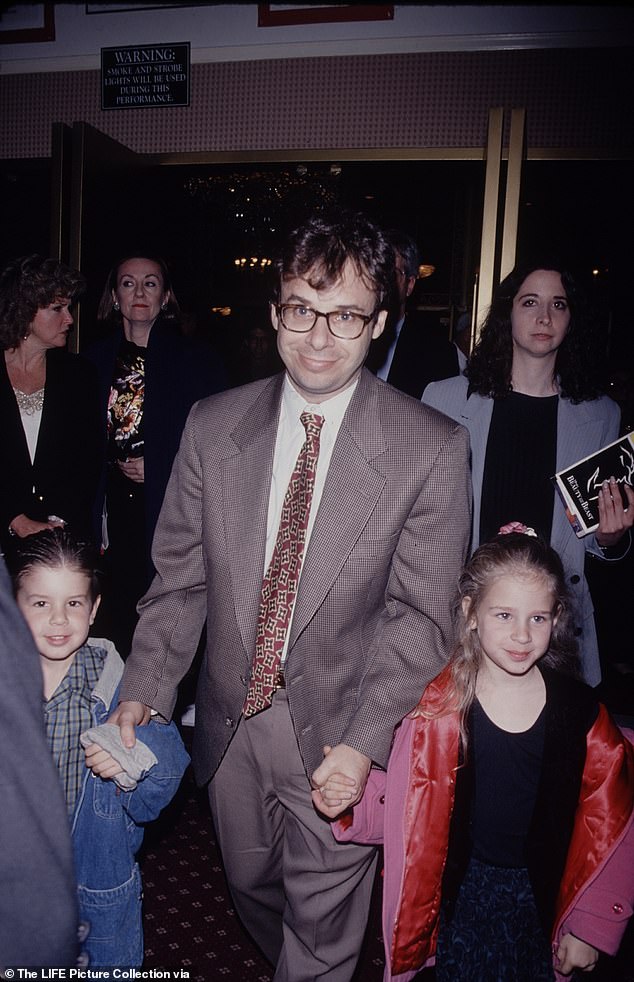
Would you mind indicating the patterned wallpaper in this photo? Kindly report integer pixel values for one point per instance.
(573, 98)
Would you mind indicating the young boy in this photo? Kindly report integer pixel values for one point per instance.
(56, 589)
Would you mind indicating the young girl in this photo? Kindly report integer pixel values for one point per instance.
(507, 808)
(57, 591)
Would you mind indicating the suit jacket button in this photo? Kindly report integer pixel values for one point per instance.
(228, 721)
(243, 679)
(617, 908)
(578, 631)
(382, 799)
(575, 578)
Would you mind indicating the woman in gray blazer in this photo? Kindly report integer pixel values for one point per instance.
(532, 403)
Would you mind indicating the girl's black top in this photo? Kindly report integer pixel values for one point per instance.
(507, 771)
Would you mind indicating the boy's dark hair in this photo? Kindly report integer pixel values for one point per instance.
(27, 285)
(320, 248)
(54, 549)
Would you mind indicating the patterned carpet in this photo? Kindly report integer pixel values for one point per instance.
(190, 922)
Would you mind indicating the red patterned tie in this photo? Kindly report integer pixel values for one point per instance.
(279, 587)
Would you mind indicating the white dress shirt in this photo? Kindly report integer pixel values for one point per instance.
(384, 370)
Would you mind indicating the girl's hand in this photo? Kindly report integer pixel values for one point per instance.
(101, 762)
(337, 790)
(134, 469)
(614, 519)
(573, 953)
(339, 780)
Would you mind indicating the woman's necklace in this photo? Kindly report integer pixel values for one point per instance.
(29, 403)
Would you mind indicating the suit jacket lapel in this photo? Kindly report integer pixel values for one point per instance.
(246, 485)
(15, 446)
(352, 488)
(476, 416)
(404, 371)
(578, 431)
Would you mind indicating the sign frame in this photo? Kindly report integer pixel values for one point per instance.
(35, 24)
(137, 76)
(282, 15)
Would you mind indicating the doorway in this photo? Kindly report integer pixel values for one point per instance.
(183, 207)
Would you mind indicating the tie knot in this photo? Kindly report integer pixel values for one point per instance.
(312, 423)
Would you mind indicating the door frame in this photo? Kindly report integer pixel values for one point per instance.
(83, 151)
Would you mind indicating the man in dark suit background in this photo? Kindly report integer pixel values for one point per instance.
(38, 894)
(412, 352)
(387, 535)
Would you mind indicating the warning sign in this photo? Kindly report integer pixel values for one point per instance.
(145, 75)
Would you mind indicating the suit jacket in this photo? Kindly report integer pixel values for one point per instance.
(422, 354)
(38, 905)
(581, 429)
(371, 623)
(63, 478)
(178, 371)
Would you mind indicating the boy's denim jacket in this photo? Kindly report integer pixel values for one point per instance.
(107, 831)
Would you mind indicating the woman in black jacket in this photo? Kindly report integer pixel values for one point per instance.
(150, 375)
(53, 431)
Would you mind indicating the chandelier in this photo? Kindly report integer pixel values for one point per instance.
(259, 202)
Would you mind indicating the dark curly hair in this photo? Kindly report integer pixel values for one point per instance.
(106, 310)
(29, 284)
(320, 248)
(576, 365)
(54, 549)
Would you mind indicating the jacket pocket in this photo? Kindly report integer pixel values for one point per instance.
(116, 929)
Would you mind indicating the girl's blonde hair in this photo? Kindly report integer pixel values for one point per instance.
(514, 554)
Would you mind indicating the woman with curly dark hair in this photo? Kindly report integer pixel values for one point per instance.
(532, 403)
(53, 431)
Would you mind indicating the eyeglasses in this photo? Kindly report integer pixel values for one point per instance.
(345, 324)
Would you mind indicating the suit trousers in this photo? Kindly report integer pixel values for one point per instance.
(304, 897)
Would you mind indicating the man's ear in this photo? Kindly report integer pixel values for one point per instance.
(274, 318)
(379, 324)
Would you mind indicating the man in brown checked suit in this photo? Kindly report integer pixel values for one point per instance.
(386, 539)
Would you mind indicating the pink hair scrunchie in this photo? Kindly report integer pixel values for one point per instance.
(517, 527)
